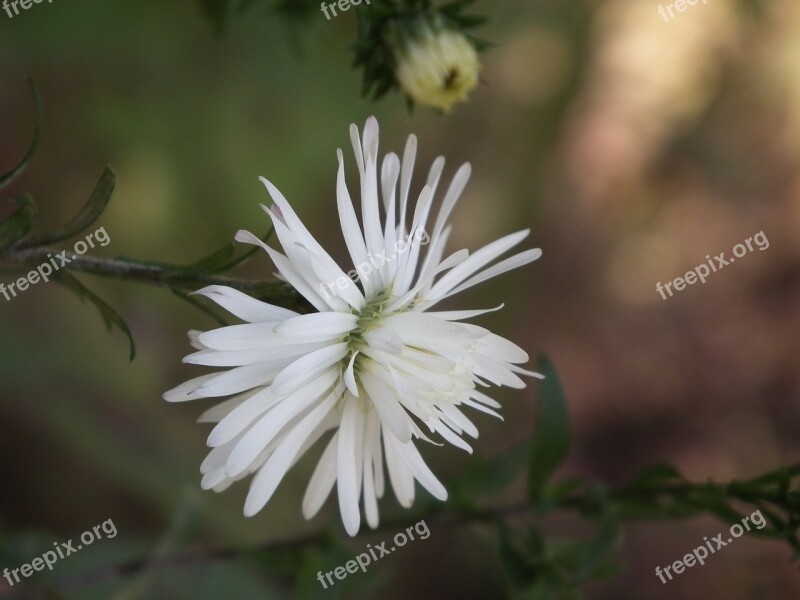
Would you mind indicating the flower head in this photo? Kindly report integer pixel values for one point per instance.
(375, 364)
(437, 67)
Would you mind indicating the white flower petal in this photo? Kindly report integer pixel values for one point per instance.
(400, 476)
(308, 367)
(495, 371)
(372, 444)
(317, 327)
(413, 325)
(188, 390)
(448, 434)
(243, 306)
(457, 186)
(484, 399)
(219, 411)
(384, 340)
(288, 271)
(435, 173)
(271, 474)
(480, 407)
(194, 341)
(350, 377)
(460, 315)
(250, 356)
(386, 402)
(410, 455)
(351, 230)
(406, 171)
(239, 379)
(499, 348)
(356, 142)
(322, 480)
(475, 262)
(521, 371)
(348, 464)
(408, 262)
(269, 425)
(335, 282)
(390, 171)
(370, 215)
(293, 222)
(459, 418)
(239, 337)
(242, 417)
(508, 264)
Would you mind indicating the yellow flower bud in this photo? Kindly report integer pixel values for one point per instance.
(437, 67)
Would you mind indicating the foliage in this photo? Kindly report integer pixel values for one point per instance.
(24, 252)
(382, 28)
(536, 564)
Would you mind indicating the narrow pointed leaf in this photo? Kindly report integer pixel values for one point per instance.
(221, 260)
(110, 317)
(17, 226)
(90, 212)
(17, 170)
(551, 438)
(212, 263)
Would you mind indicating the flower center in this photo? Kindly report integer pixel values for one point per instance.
(451, 78)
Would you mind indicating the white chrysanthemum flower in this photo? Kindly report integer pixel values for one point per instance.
(375, 364)
(437, 67)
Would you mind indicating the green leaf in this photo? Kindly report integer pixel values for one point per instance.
(110, 316)
(551, 438)
(90, 212)
(221, 260)
(519, 563)
(597, 557)
(490, 476)
(212, 263)
(655, 475)
(250, 252)
(15, 172)
(17, 226)
(715, 502)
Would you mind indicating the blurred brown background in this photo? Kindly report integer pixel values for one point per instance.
(632, 146)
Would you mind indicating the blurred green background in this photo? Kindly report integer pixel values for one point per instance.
(632, 147)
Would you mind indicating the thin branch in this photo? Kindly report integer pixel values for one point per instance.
(157, 274)
(584, 502)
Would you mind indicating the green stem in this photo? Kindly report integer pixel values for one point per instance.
(584, 502)
(125, 269)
